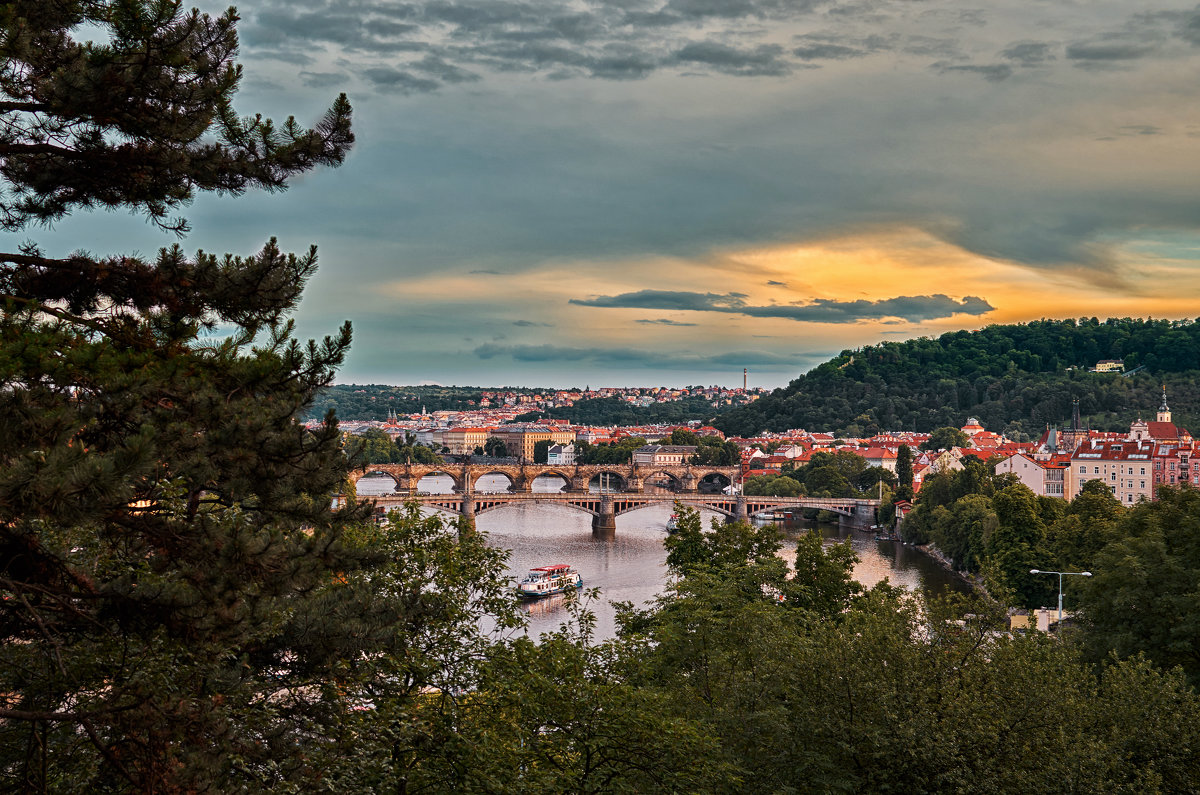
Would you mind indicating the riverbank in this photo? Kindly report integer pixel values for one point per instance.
(973, 580)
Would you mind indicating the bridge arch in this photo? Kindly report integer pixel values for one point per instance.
(713, 480)
(612, 479)
(674, 480)
(478, 474)
(371, 470)
(435, 471)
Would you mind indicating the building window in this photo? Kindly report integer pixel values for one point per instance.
(1113, 489)
(1143, 471)
(1141, 484)
(1082, 469)
(1095, 470)
(1113, 476)
(1129, 498)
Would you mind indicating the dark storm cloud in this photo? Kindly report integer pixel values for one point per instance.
(913, 308)
(991, 72)
(663, 322)
(1029, 53)
(774, 283)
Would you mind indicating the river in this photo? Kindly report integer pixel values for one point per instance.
(632, 566)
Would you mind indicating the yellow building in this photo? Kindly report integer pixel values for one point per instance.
(520, 439)
(464, 440)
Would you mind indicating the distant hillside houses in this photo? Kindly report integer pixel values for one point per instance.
(1133, 465)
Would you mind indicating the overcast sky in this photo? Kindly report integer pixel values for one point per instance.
(614, 192)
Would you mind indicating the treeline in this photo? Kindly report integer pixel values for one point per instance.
(840, 474)
(374, 401)
(1014, 378)
(614, 411)
(376, 447)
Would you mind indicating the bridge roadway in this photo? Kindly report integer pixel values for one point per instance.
(605, 507)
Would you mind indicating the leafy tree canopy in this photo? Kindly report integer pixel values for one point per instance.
(1014, 378)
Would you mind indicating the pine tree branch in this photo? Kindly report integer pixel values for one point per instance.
(30, 107)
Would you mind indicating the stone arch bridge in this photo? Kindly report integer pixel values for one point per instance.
(623, 478)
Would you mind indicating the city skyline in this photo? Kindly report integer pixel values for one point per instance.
(631, 192)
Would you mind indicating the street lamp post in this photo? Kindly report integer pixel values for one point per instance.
(1060, 576)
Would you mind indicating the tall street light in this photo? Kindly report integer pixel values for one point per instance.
(1060, 576)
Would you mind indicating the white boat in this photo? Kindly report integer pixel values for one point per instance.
(673, 523)
(546, 580)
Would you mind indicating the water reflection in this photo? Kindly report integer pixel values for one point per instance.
(631, 564)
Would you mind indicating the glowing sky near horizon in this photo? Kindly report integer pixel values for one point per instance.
(604, 192)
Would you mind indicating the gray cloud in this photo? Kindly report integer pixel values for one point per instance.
(1139, 129)
(913, 308)
(666, 299)
(763, 60)
(663, 322)
(827, 51)
(323, 79)
(1029, 53)
(532, 324)
(991, 72)
(399, 81)
(774, 283)
(1107, 51)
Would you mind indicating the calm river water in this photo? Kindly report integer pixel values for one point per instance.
(632, 566)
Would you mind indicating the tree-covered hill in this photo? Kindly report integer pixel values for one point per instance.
(1014, 378)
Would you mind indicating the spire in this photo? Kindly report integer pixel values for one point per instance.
(1164, 411)
(1075, 415)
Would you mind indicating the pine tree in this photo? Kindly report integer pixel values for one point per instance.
(167, 542)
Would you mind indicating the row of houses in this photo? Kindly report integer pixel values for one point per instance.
(1152, 454)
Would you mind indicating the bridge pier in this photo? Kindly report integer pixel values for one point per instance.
(604, 523)
(740, 512)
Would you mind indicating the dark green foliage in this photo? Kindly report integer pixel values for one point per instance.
(945, 438)
(376, 447)
(166, 536)
(712, 451)
(772, 486)
(616, 453)
(614, 411)
(1014, 378)
(682, 436)
(904, 472)
(375, 401)
(850, 692)
(495, 446)
(541, 450)
(1144, 595)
